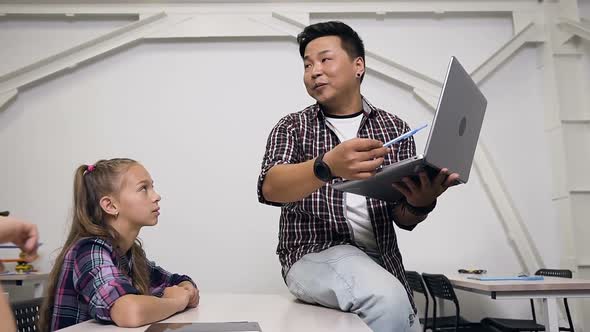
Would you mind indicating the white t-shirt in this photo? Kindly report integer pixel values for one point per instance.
(355, 209)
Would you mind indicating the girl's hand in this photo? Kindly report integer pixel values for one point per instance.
(179, 294)
(193, 291)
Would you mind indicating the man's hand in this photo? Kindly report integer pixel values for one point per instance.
(194, 293)
(355, 159)
(23, 234)
(424, 193)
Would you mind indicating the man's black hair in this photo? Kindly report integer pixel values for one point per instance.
(351, 42)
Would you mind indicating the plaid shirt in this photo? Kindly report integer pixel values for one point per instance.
(318, 221)
(92, 279)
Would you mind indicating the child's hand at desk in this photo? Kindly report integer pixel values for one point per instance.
(194, 293)
(177, 293)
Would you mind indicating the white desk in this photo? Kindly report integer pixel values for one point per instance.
(37, 280)
(274, 313)
(549, 290)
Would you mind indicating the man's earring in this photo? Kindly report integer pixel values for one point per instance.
(358, 74)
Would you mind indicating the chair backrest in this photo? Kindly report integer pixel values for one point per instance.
(439, 286)
(554, 273)
(26, 314)
(415, 281)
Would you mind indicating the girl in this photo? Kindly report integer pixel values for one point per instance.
(102, 272)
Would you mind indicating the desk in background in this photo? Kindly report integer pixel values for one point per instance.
(549, 290)
(274, 313)
(24, 286)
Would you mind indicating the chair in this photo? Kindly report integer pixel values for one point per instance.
(417, 285)
(26, 314)
(439, 286)
(517, 325)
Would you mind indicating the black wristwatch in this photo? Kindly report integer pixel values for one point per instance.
(321, 169)
(421, 210)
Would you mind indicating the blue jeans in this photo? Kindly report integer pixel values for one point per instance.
(344, 277)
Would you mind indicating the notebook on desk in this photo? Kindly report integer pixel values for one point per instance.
(205, 327)
(499, 278)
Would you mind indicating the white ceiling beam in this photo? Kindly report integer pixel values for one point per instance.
(530, 33)
(71, 57)
(315, 7)
(7, 96)
(216, 25)
(581, 29)
(402, 74)
(297, 19)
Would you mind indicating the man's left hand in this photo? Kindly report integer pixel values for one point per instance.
(426, 191)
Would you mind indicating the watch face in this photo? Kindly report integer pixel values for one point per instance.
(322, 172)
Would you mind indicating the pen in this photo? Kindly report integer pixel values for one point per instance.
(11, 246)
(404, 136)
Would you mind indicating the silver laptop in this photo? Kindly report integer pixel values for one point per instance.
(451, 143)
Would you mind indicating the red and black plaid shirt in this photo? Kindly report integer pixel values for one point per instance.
(318, 221)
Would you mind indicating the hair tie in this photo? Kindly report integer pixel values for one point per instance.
(90, 168)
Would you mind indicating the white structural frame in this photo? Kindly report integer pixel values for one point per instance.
(551, 24)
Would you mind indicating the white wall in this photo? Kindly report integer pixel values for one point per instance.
(584, 272)
(584, 6)
(197, 115)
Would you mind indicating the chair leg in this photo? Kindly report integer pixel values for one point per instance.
(533, 311)
(425, 314)
(434, 315)
(457, 315)
(569, 316)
